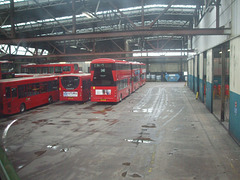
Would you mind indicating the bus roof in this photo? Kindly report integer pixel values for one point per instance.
(76, 74)
(46, 65)
(1, 62)
(22, 79)
(107, 60)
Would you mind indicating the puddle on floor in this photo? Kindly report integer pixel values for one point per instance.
(149, 125)
(126, 164)
(39, 153)
(140, 140)
(40, 121)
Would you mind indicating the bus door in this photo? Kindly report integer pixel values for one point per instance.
(11, 102)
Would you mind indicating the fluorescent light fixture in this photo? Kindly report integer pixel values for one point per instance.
(88, 15)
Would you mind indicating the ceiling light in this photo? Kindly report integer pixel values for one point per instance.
(88, 15)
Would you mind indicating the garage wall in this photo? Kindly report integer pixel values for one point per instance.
(196, 76)
(235, 18)
(234, 114)
(167, 67)
(201, 81)
(203, 43)
(209, 80)
(190, 74)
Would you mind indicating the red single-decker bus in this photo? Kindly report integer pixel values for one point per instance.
(54, 68)
(74, 87)
(111, 80)
(19, 94)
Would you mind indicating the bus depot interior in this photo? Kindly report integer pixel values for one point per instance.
(108, 89)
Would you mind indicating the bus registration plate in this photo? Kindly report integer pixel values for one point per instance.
(70, 94)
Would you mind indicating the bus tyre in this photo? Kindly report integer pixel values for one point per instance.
(22, 108)
(50, 99)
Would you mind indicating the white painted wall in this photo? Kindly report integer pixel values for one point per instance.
(235, 65)
(227, 11)
(190, 67)
(195, 66)
(209, 71)
(235, 17)
(167, 67)
(201, 66)
(84, 66)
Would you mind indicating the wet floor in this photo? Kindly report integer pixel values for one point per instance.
(159, 132)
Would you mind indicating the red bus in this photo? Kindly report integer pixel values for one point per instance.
(19, 94)
(54, 68)
(136, 81)
(143, 73)
(74, 87)
(6, 69)
(111, 80)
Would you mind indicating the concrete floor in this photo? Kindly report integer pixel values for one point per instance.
(160, 132)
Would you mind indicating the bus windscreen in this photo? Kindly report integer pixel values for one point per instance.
(103, 74)
(70, 82)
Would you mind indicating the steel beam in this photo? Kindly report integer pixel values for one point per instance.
(122, 14)
(165, 10)
(40, 5)
(93, 54)
(135, 33)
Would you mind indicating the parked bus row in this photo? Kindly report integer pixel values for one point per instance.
(113, 80)
(110, 81)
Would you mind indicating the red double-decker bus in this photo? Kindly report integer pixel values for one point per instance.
(19, 94)
(54, 68)
(111, 80)
(6, 69)
(142, 73)
(74, 87)
(136, 78)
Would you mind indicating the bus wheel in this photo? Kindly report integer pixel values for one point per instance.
(50, 100)
(22, 108)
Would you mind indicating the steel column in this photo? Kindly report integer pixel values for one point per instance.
(223, 58)
(13, 33)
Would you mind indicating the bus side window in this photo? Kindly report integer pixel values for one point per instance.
(58, 69)
(38, 70)
(36, 89)
(55, 85)
(76, 67)
(51, 69)
(52, 85)
(43, 87)
(8, 92)
(21, 91)
(14, 92)
(66, 68)
(49, 88)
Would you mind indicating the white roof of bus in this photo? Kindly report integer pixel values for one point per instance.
(25, 78)
(75, 74)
